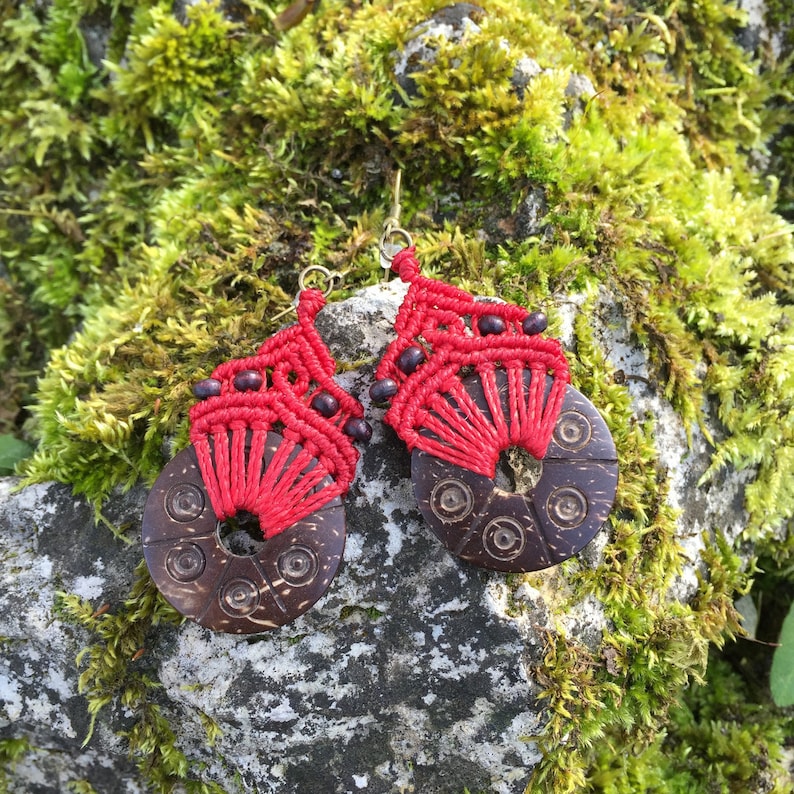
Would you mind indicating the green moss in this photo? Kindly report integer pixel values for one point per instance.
(157, 203)
(706, 748)
(172, 72)
(359, 613)
(80, 787)
(12, 750)
(123, 385)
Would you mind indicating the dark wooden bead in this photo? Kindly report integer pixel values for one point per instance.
(359, 429)
(535, 323)
(383, 390)
(248, 380)
(410, 359)
(491, 324)
(209, 387)
(325, 404)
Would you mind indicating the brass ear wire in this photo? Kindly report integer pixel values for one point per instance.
(392, 230)
(393, 219)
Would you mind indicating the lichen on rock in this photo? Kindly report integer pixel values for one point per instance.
(167, 172)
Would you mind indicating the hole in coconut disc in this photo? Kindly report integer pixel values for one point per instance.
(241, 534)
(517, 471)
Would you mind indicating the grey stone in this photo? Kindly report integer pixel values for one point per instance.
(530, 214)
(720, 503)
(525, 69)
(756, 35)
(95, 29)
(49, 542)
(450, 23)
(580, 86)
(578, 91)
(453, 23)
(410, 674)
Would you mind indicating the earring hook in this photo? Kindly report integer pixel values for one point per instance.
(392, 230)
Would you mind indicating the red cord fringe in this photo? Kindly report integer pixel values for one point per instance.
(432, 410)
(229, 431)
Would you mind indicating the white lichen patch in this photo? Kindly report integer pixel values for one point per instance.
(10, 697)
(88, 587)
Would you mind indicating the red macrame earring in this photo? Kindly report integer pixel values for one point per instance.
(244, 530)
(513, 469)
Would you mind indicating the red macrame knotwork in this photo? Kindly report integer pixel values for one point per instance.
(432, 410)
(229, 430)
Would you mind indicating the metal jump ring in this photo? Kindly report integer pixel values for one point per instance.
(329, 276)
(388, 255)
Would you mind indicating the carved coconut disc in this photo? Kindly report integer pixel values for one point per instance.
(226, 586)
(533, 514)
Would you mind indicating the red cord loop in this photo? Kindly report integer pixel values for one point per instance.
(313, 464)
(433, 412)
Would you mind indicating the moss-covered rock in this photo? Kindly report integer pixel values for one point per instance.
(166, 171)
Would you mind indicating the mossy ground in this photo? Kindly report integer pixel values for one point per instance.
(166, 172)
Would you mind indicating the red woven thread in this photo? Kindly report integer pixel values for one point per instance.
(229, 432)
(432, 410)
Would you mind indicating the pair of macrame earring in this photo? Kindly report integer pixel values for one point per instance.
(513, 469)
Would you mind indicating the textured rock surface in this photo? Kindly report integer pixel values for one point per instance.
(409, 675)
(50, 542)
